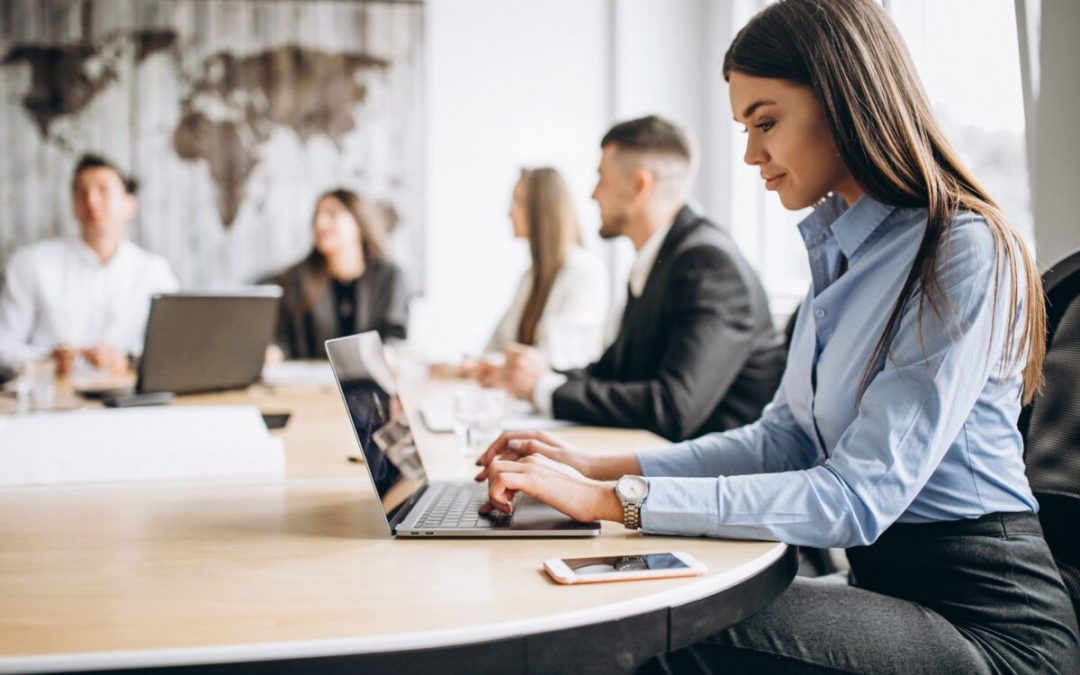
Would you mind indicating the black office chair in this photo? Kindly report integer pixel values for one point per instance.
(1051, 424)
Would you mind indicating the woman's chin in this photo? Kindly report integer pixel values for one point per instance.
(794, 202)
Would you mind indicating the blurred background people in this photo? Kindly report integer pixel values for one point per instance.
(346, 284)
(86, 296)
(696, 349)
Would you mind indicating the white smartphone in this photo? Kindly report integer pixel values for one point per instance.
(624, 567)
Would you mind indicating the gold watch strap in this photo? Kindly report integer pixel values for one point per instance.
(631, 516)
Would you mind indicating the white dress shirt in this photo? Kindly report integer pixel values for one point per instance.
(639, 276)
(58, 292)
(570, 333)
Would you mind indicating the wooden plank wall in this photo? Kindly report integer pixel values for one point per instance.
(163, 56)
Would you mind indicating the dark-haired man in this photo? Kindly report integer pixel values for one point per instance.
(88, 295)
(696, 349)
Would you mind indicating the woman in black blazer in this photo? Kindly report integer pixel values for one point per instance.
(345, 285)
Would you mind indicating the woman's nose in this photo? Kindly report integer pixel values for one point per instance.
(754, 154)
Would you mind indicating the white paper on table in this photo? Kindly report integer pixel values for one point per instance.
(137, 444)
(439, 418)
(299, 374)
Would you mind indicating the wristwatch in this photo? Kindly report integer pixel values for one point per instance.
(631, 563)
(632, 491)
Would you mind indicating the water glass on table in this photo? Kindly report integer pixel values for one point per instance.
(478, 415)
(35, 387)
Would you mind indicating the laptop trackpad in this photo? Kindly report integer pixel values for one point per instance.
(532, 514)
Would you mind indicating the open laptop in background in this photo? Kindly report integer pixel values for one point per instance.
(198, 341)
(412, 506)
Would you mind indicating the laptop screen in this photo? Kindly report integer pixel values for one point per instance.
(370, 394)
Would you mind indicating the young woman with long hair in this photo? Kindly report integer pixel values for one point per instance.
(345, 285)
(565, 290)
(893, 433)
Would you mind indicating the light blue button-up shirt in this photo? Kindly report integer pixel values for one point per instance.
(934, 436)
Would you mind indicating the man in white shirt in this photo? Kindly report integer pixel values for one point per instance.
(86, 296)
(696, 349)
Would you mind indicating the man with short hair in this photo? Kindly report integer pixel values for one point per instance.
(696, 349)
(85, 296)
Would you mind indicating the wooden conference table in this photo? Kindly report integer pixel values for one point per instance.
(297, 572)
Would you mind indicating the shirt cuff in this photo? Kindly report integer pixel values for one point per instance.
(684, 506)
(544, 392)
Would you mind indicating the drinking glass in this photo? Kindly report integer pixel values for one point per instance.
(35, 388)
(478, 415)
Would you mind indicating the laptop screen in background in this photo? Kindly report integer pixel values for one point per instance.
(382, 430)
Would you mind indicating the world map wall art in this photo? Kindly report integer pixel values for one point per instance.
(234, 115)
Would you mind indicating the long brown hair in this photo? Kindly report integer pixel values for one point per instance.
(371, 239)
(553, 229)
(850, 54)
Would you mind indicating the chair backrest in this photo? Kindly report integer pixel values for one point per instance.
(789, 329)
(1051, 424)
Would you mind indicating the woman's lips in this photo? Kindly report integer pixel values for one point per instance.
(772, 181)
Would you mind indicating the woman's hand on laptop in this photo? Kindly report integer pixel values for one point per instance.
(558, 485)
(516, 445)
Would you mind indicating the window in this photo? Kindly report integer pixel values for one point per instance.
(967, 56)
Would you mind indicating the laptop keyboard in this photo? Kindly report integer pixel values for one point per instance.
(456, 506)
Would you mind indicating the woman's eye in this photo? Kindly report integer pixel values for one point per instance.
(764, 125)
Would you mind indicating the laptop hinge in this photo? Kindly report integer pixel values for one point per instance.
(398, 514)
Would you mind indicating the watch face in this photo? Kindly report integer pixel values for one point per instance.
(632, 487)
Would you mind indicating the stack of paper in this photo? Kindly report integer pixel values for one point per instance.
(137, 444)
(439, 418)
(299, 374)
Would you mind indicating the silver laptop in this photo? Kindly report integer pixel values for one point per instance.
(413, 506)
(199, 341)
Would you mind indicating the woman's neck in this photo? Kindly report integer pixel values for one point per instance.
(346, 265)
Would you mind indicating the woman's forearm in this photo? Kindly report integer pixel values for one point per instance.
(608, 468)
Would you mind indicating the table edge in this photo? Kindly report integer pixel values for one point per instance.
(401, 642)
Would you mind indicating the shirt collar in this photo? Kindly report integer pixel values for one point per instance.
(850, 226)
(646, 258)
(90, 257)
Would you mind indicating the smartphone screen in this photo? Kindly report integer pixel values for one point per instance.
(630, 563)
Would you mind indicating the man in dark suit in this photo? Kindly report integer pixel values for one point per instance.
(696, 349)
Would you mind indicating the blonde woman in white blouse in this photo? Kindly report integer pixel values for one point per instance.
(561, 302)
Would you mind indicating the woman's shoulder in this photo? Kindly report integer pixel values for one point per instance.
(581, 262)
(969, 244)
(383, 269)
(291, 275)
(967, 241)
(583, 278)
(969, 260)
